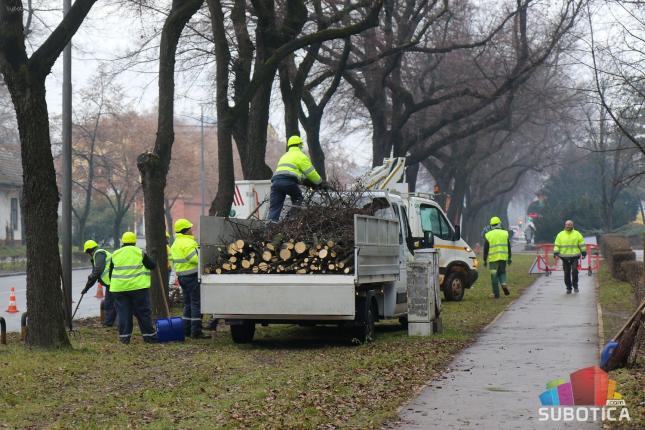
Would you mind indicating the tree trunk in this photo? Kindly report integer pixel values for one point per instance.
(253, 152)
(412, 173)
(40, 211)
(312, 128)
(154, 166)
(221, 205)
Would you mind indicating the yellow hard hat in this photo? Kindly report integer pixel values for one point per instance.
(89, 244)
(294, 141)
(495, 220)
(182, 224)
(129, 238)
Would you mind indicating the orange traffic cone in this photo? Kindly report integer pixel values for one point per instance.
(12, 309)
(99, 291)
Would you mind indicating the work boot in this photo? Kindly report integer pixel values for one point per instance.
(505, 289)
(150, 339)
(576, 290)
(201, 336)
(212, 324)
(125, 341)
(568, 290)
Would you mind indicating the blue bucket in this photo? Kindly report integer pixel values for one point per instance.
(607, 351)
(170, 329)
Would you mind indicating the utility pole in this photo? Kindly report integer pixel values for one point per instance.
(201, 167)
(67, 176)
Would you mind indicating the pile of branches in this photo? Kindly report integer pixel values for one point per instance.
(315, 237)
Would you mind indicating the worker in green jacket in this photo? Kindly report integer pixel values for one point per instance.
(569, 245)
(130, 274)
(185, 257)
(100, 259)
(497, 254)
(293, 168)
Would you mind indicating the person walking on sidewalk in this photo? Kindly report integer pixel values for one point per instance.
(100, 259)
(497, 253)
(186, 259)
(130, 275)
(569, 245)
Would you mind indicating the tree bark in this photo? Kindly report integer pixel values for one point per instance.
(40, 206)
(154, 166)
(25, 79)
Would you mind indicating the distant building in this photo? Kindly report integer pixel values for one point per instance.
(10, 192)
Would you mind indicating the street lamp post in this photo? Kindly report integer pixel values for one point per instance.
(67, 176)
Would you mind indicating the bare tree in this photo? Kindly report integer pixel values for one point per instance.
(154, 165)
(25, 78)
(278, 33)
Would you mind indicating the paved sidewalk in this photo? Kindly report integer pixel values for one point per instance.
(495, 383)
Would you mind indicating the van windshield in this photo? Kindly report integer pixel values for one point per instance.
(432, 220)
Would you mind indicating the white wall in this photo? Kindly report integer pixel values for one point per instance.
(6, 194)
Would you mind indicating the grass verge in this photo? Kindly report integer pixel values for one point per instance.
(291, 377)
(617, 302)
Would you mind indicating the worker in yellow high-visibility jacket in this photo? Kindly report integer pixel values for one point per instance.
(569, 245)
(130, 276)
(185, 257)
(497, 254)
(293, 168)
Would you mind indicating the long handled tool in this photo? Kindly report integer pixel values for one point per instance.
(614, 342)
(171, 328)
(71, 329)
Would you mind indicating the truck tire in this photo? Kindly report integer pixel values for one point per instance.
(243, 333)
(454, 287)
(364, 331)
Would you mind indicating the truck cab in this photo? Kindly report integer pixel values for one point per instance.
(457, 262)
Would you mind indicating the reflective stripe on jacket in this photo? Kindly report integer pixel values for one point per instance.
(104, 277)
(497, 244)
(296, 163)
(569, 243)
(184, 254)
(128, 271)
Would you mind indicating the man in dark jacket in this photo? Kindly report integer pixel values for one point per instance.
(101, 259)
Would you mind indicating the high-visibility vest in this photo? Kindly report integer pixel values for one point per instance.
(184, 254)
(497, 245)
(104, 277)
(569, 243)
(128, 271)
(296, 163)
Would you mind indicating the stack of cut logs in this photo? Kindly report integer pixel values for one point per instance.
(284, 257)
(317, 238)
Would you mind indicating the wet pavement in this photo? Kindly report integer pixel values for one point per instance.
(494, 384)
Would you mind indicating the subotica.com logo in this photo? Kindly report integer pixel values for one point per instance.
(589, 395)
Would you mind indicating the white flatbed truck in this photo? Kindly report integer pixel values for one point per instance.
(376, 290)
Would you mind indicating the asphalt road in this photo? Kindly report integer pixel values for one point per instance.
(89, 306)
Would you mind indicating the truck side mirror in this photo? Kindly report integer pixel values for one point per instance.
(428, 239)
(457, 234)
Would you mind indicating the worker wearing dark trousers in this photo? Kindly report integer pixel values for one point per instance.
(293, 168)
(101, 259)
(569, 245)
(130, 275)
(185, 257)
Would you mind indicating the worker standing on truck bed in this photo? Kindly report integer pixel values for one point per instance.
(100, 259)
(130, 275)
(569, 245)
(293, 167)
(497, 251)
(186, 259)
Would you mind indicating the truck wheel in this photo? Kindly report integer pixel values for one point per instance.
(364, 332)
(243, 333)
(454, 287)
